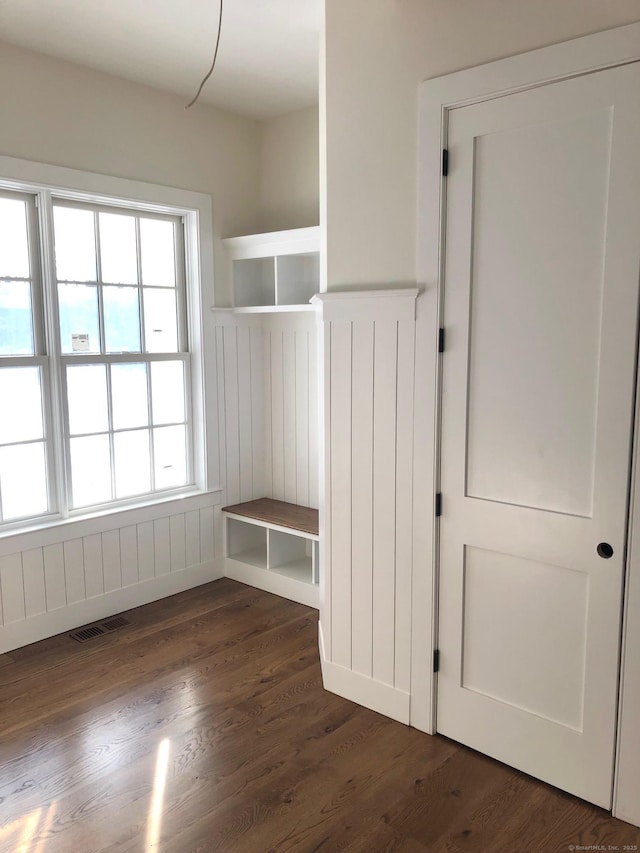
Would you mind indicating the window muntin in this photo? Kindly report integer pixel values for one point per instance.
(115, 346)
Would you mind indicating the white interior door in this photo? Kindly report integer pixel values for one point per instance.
(541, 304)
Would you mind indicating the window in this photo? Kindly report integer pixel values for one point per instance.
(95, 368)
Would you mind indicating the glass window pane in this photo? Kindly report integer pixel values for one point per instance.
(160, 320)
(90, 470)
(16, 328)
(118, 248)
(87, 398)
(75, 244)
(20, 404)
(121, 319)
(132, 467)
(170, 461)
(129, 395)
(157, 252)
(79, 326)
(167, 392)
(23, 481)
(14, 246)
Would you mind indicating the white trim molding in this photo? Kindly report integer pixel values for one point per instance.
(626, 790)
(580, 56)
(366, 304)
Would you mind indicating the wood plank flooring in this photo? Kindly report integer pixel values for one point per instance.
(204, 727)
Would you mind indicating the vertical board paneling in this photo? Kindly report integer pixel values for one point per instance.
(314, 415)
(74, 570)
(217, 532)
(162, 546)
(277, 416)
(54, 576)
(44, 580)
(207, 539)
(146, 552)
(267, 409)
(222, 432)
(12, 588)
(111, 565)
(35, 597)
(178, 543)
(289, 415)
(325, 502)
(267, 381)
(231, 414)
(244, 413)
(92, 558)
(404, 503)
(258, 376)
(302, 417)
(192, 537)
(341, 492)
(384, 499)
(367, 485)
(362, 484)
(129, 555)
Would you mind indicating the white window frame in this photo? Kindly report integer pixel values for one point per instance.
(50, 183)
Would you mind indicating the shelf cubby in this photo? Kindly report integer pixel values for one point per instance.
(274, 545)
(277, 271)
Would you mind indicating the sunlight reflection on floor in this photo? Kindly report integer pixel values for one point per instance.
(154, 822)
(27, 834)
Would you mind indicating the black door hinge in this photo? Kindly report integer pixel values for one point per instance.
(438, 504)
(436, 660)
(440, 340)
(445, 162)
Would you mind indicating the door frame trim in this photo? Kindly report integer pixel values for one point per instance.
(608, 49)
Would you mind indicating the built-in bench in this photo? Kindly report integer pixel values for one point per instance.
(273, 545)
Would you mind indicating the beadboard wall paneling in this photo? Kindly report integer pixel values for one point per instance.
(368, 387)
(60, 585)
(267, 380)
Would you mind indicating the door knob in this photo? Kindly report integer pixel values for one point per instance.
(605, 550)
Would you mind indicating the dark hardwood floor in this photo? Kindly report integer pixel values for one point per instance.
(203, 726)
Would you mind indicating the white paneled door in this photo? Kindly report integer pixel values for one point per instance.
(541, 304)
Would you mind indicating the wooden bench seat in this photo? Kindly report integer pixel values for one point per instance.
(279, 513)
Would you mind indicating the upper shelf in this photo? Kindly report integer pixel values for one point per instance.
(272, 243)
(273, 309)
(275, 271)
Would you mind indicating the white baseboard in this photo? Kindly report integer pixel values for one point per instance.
(365, 691)
(303, 593)
(35, 628)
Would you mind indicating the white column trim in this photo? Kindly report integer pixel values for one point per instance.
(349, 305)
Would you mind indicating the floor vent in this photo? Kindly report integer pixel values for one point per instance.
(89, 632)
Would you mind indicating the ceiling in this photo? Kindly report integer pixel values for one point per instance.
(267, 62)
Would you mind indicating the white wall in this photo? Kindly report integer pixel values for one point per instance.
(376, 54)
(289, 181)
(55, 112)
